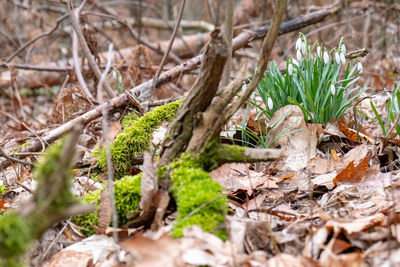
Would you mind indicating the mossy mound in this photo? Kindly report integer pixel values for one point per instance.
(127, 197)
(15, 238)
(48, 169)
(52, 197)
(199, 198)
(136, 138)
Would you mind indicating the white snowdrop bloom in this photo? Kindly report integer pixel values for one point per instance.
(318, 51)
(343, 48)
(290, 69)
(337, 57)
(119, 78)
(270, 103)
(114, 74)
(333, 89)
(244, 87)
(359, 67)
(298, 55)
(303, 47)
(295, 62)
(298, 43)
(342, 58)
(326, 57)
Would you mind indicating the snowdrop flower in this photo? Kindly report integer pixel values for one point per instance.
(343, 48)
(298, 55)
(290, 69)
(333, 90)
(244, 87)
(270, 103)
(114, 74)
(298, 43)
(295, 62)
(326, 57)
(359, 67)
(303, 47)
(337, 58)
(318, 51)
(342, 58)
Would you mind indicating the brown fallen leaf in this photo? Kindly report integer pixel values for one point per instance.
(353, 174)
(352, 134)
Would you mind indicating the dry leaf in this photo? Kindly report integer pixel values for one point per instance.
(353, 174)
(352, 134)
(294, 137)
(153, 253)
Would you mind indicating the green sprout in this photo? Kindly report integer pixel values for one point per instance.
(393, 112)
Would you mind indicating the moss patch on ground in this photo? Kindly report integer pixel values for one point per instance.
(136, 137)
(15, 238)
(199, 198)
(127, 197)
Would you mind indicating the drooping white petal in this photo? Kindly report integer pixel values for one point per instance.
(295, 62)
(244, 87)
(343, 48)
(290, 69)
(318, 51)
(270, 103)
(303, 47)
(326, 57)
(359, 67)
(298, 55)
(298, 43)
(342, 58)
(333, 89)
(337, 57)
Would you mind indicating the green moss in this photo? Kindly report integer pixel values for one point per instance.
(58, 196)
(15, 238)
(214, 154)
(19, 148)
(136, 137)
(87, 221)
(199, 198)
(127, 198)
(3, 189)
(129, 119)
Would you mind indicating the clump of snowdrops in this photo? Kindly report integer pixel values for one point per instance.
(320, 82)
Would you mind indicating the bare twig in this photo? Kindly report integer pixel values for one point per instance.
(74, 17)
(110, 172)
(77, 67)
(44, 34)
(155, 48)
(227, 33)
(171, 41)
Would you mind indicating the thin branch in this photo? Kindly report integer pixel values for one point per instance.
(155, 48)
(171, 41)
(77, 66)
(44, 34)
(74, 17)
(110, 173)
